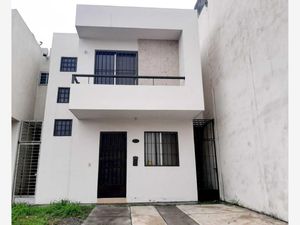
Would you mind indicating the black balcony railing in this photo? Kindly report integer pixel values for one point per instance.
(121, 79)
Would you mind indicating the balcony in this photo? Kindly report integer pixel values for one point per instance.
(127, 96)
(132, 62)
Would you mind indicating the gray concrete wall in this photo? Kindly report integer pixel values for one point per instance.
(244, 54)
(15, 130)
(158, 58)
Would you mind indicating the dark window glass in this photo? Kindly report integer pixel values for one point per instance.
(161, 149)
(62, 127)
(44, 78)
(68, 64)
(63, 95)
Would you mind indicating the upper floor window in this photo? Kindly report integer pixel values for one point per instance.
(62, 127)
(68, 64)
(115, 63)
(161, 149)
(63, 95)
(44, 78)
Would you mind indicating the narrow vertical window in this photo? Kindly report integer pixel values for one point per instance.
(68, 64)
(161, 149)
(44, 78)
(63, 95)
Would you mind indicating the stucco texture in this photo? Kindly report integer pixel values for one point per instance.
(244, 54)
(158, 58)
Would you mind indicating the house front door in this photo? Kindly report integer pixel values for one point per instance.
(112, 165)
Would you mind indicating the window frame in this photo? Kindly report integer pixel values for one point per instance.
(177, 148)
(58, 97)
(68, 57)
(60, 120)
(47, 79)
(115, 70)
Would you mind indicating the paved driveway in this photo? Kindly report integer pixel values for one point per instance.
(211, 214)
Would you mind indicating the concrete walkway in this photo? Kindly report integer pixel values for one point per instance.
(212, 214)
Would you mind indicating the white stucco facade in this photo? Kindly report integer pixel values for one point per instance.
(75, 174)
(244, 55)
(68, 166)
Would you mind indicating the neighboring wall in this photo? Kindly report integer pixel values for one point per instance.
(27, 62)
(244, 53)
(26, 58)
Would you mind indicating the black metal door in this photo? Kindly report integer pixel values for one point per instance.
(206, 160)
(112, 165)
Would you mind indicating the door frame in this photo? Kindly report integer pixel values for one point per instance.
(112, 132)
(206, 143)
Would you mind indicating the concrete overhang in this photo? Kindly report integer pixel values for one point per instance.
(112, 22)
(134, 101)
(115, 33)
(134, 114)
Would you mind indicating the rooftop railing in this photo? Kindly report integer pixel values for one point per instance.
(127, 79)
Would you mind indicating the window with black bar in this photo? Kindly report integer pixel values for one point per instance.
(62, 127)
(68, 64)
(63, 95)
(44, 78)
(161, 149)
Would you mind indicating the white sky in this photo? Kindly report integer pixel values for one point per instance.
(43, 17)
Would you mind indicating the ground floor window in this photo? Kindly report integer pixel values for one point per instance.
(26, 169)
(161, 149)
(27, 158)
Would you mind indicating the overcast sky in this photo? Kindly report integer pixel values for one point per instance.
(43, 17)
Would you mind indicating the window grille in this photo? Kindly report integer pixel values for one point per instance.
(26, 170)
(27, 158)
(161, 149)
(31, 131)
(44, 78)
(62, 127)
(68, 64)
(63, 95)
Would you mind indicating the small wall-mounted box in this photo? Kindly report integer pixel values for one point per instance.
(135, 161)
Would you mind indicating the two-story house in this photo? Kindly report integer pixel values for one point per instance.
(122, 94)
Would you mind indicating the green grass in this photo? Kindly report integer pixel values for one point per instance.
(24, 214)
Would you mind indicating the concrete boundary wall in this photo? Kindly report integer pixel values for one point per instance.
(244, 51)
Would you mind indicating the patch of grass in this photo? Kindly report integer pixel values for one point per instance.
(25, 214)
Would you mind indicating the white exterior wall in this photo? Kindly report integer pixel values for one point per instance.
(245, 75)
(68, 166)
(41, 91)
(26, 59)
